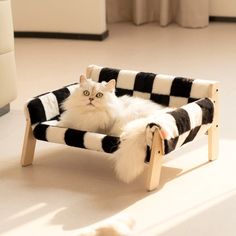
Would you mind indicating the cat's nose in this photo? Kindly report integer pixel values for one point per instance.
(91, 99)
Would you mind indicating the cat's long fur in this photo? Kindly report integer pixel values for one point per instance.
(125, 116)
(97, 115)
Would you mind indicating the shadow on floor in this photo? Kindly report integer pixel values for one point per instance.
(77, 187)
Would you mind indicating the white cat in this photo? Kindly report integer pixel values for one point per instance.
(91, 107)
(94, 107)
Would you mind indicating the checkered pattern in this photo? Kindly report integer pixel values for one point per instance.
(44, 112)
(176, 128)
(183, 124)
(50, 132)
(47, 106)
(167, 90)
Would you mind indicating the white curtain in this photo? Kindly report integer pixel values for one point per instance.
(186, 13)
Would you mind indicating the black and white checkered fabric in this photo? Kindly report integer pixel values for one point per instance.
(183, 124)
(168, 90)
(176, 128)
(44, 112)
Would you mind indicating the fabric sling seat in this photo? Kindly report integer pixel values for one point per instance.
(195, 112)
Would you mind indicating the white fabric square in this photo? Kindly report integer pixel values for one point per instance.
(93, 141)
(181, 139)
(95, 73)
(50, 122)
(168, 125)
(142, 95)
(177, 101)
(194, 113)
(126, 79)
(56, 134)
(72, 88)
(200, 88)
(162, 84)
(50, 105)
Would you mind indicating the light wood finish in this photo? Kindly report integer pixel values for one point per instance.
(213, 132)
(154, 168)
(89, 70)
(28, 146)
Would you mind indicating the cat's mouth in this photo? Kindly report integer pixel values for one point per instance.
(90, 104)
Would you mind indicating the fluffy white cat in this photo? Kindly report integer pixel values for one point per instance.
(94, 107)
(91, 107)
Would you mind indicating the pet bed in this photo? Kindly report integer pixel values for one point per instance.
(196, 113)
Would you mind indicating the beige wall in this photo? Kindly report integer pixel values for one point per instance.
(76, 16)
(223, 8)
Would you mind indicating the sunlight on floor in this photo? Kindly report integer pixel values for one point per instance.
(67, 190)
(27, 211)
(182, 217)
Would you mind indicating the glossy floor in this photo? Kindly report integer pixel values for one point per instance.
(67, 190)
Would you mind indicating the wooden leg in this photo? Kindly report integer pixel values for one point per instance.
(213, 142)
(213, 132)
(154, 168)
(28, 146)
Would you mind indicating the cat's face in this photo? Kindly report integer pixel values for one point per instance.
(92, 95)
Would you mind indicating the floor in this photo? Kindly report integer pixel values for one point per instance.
(67, 189)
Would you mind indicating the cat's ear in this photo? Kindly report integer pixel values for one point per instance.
(110, 86)
(82, 79)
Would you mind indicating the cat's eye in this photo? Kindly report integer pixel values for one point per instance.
(99, 95)
(86, 93)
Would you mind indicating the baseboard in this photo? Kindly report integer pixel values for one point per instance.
(4, 110)
(59, 35)
(222, 18)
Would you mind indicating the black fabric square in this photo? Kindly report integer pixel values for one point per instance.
(110, 144)
(120, 92)
(106, 74)
(181, 87)
(150, 125)
(192, 134)
(148, 154)
(75, 138)
(61, 95)
(40, 132)
(170, 144)
(182, 120)
(160, 99)
(207, 110)
(56, 118)
(36, 111)
(144, 82)
(192, 99)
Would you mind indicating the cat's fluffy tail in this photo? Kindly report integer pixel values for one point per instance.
(129, 158)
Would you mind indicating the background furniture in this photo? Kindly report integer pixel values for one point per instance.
(226, 8)
(7, 58)
(75, 19)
